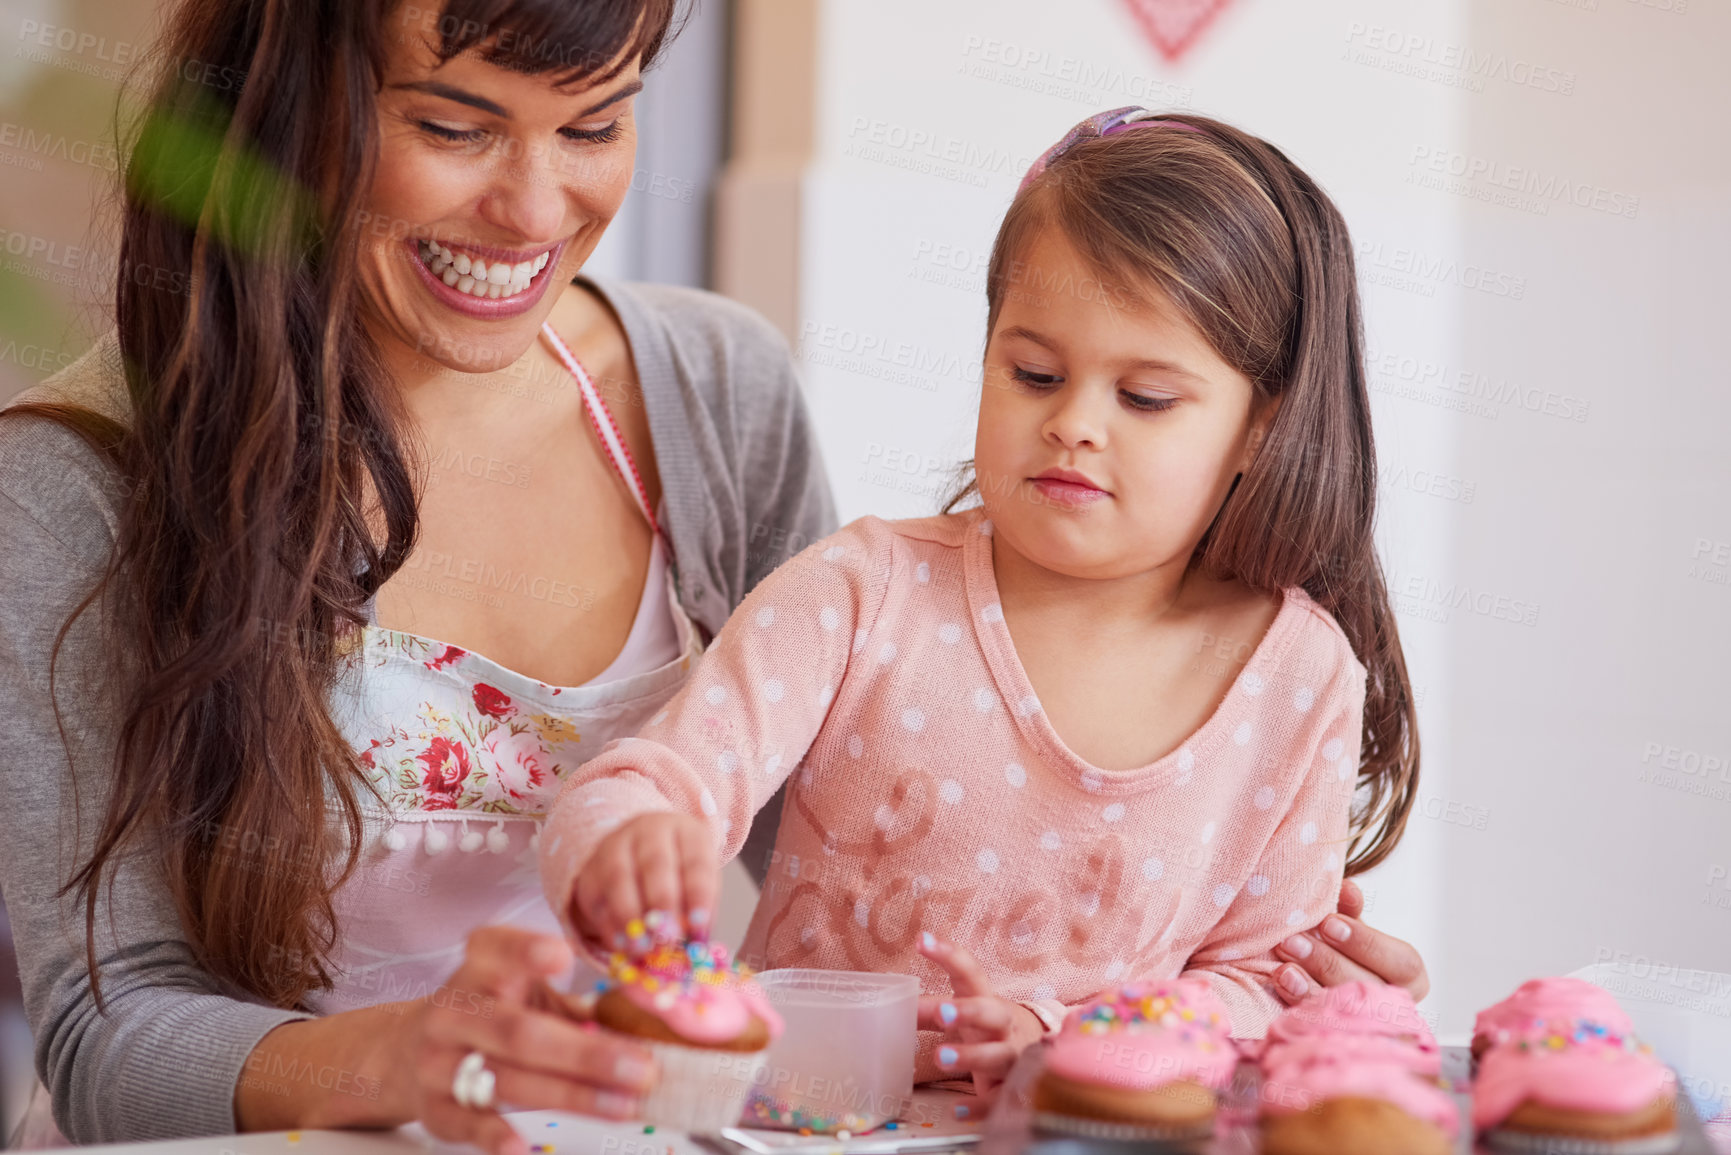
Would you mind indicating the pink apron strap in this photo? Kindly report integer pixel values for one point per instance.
(605, 427)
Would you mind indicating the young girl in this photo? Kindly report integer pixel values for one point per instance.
(1129, 716)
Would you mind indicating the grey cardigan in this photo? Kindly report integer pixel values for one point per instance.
(745, 488)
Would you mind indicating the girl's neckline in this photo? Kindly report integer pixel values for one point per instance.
(1173, 768)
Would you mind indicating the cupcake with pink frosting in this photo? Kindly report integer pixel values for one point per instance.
(1538, 1001)
(1353, 1070)
(1575, 1086)
(1145, 1063)
(708, 1024)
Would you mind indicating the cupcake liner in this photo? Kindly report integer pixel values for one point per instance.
(1541, 1143)
(701, 1090)
(1053, 1123)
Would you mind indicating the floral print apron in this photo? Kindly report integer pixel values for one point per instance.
(468, 756)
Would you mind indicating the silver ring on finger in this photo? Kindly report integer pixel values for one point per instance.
(472, 1085)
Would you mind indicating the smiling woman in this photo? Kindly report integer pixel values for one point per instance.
(283, 714)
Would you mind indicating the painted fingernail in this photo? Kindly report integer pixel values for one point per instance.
(613, 1103)
(947, 1012)
(928, 941)
(1293, 982)
(947, 1056)
(699, 916)
(1298, 946)
(1336, 928)
(962, 1111)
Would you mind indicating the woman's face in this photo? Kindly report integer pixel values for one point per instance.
(1128, 395)
(492, 189)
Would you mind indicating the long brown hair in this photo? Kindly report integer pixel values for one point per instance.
(261, 422)
(1258, 259)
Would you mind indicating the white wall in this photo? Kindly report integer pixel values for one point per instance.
(1536, 845)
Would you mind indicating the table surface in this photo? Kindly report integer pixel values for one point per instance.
(555, 1132)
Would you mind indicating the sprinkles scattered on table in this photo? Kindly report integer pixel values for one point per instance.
(775, 1111)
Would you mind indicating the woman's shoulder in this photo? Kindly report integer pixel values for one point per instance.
(702, 331)
(50, 474)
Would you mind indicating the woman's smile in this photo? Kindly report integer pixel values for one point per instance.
(481, 281)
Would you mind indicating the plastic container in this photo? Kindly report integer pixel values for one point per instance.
(845, 1060)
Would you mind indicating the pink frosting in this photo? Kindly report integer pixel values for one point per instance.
(695, 989)
(1560, 999)
(1147, 1035)
(1355, 1009)
(1293, 1088)
(1586, 1068)
(1334, 1047)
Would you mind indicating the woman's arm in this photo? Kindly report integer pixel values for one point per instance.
(164, 1058)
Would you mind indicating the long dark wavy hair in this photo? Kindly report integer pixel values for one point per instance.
(264, 451)
(1257, 257)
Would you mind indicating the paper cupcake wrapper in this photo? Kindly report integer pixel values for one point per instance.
(1056, 1124)
(701, 1090)
(1538, 1143)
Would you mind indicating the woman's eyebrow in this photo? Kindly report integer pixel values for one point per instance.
(460, 95)
(474, 100)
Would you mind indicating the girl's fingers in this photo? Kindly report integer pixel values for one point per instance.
(989, 1060)
(975, 1109)
(699, 880)
(1321, 965)
(1351, 898)
(992, 1015)
(658, 870)
(966, 976)
(608, 890)
(1386, 958)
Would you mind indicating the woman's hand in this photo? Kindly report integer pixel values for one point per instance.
(663, 862)
(542, 1052)
(983, 1033)
(1342, 949)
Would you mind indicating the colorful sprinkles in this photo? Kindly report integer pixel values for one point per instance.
(1146, 1006)
(779, 1113)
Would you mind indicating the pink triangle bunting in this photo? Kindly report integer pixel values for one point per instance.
(1174, 26)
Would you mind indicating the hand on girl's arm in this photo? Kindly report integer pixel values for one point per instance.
(1343, 949)
(983, 1032)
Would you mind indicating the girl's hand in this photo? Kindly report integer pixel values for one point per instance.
(542, 1055)
(663, 863)
(983, 1033)
(1345, 949)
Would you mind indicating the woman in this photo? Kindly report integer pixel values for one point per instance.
(259, 830)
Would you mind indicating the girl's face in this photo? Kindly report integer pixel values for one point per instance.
(492, 189)
(1129, 398)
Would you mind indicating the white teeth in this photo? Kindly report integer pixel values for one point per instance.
(474, 276)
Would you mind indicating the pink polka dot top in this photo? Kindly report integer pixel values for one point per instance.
(927, 791)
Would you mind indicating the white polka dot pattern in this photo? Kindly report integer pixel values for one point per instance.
(926, 793)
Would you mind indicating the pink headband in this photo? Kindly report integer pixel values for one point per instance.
(1100, 124)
